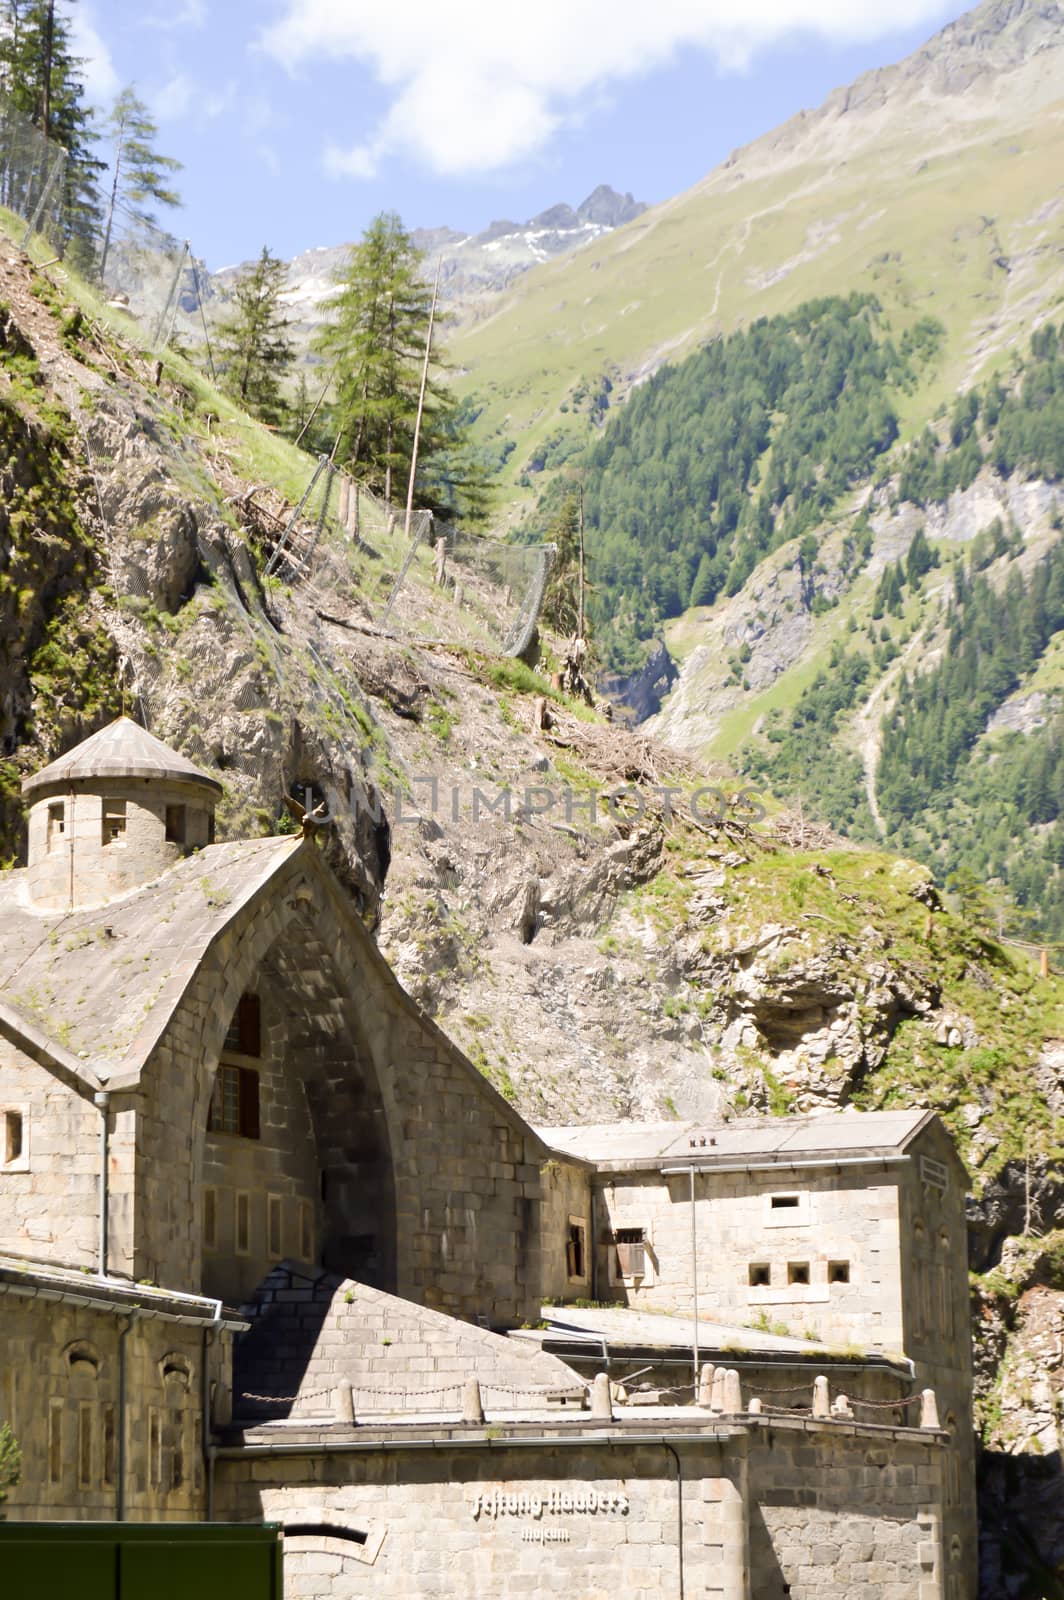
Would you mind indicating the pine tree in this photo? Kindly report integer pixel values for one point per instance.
(41, 82)
(376, 339)
(138, 173)
(254, 348)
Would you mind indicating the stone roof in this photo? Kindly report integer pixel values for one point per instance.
(121, 750)
(104, 981)
(39, 1280)
(761, 1141)
(651, 1330)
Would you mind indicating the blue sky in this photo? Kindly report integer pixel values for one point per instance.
(298, 120)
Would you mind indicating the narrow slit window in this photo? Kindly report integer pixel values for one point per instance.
(85, 1420)
(798, 1272)
(177, 1454)
(243, 1224)
(306, 1232)
(273, 1227)
(176, 825)
(760, 1274)
(110, 1451)
(838, 1272)
(55, 1442)
(155, 1447)
(56, 824)
(13, 1137)
(114, 822)
(210, 1219)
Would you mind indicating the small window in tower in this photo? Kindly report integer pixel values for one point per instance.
(244, 1037)
(114, 822)
(631, 1252)
(109, 1446)
(576, 1249)
(55, 1442)
(13, 1137)
(306, 1232)
(85, 1430)
(175, 824)
(273, 1227)
(210, 827)
(56, 824)
(784, 1202)
(760, 1274)
(243, 1224)
(838, 1272)
(797, 1272)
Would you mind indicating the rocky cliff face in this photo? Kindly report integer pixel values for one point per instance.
(632, 939)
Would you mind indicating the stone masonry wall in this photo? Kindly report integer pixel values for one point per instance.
(426, 1539)
(59, 1389)
(566, 1195)
(822, 1220)
(842, 1518)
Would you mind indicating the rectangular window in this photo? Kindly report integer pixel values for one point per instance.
(243, 1224)
(235, 1102)
(760, 1274)
(85, 1420)
(576, 1249)
(175, 824)
(56, 824)
(784, 1202)
(114, 822)
(797, 1272)
(275, 1245)
(306, 1232)
(55, 1442)
(245, 1030)
(210, 1219)
(838, 1272)
(110, 1450)
(631, 1252)
(12, 1137)
(177, 1454)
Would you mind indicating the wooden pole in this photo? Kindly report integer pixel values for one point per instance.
(580, 610)
(1045, 963)
(421, 403)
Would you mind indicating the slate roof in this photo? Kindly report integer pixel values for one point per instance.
(121, 750)
(770, 1141)
(98, 984)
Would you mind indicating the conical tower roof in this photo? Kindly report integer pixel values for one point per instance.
(121, 750)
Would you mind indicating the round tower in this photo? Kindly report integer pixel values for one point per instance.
(111, 814)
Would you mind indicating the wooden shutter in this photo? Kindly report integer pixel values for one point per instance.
(631, 1257)
(248, 1102)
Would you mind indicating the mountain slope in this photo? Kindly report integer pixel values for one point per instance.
(934, 184)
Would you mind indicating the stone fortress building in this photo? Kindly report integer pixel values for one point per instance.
(270, 1246)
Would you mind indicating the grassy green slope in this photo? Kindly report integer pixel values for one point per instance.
(935, 184)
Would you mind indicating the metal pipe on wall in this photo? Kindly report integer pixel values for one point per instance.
(102, 1101)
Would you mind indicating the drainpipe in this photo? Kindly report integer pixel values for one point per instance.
(694, 1283)
(120, 1509)
(102, 1100)
(594, 1243)
(70, 879)
(679, 1516)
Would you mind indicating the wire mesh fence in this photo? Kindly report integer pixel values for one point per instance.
(348, 550)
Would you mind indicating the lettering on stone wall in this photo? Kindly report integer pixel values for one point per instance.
(531, 1504)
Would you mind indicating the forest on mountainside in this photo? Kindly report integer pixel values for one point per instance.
(746, 444)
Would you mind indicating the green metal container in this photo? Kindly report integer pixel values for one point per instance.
(140, 1561)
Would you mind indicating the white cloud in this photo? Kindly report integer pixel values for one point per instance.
(192, 14)
(478, 84)
(102, 82)
(180, 96)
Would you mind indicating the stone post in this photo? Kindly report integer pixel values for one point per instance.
(344, 1401)
(755, 1408)
(472, 1408)
(716, 1402)
(928, 1409)
(705, 1386)
(601, 1403)
(440, 572)
(821, 1398)
(733, 1394)
(345, 498)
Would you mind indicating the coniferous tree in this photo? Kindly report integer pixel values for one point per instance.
(255, 351)
(376, 340)
(139, 175)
